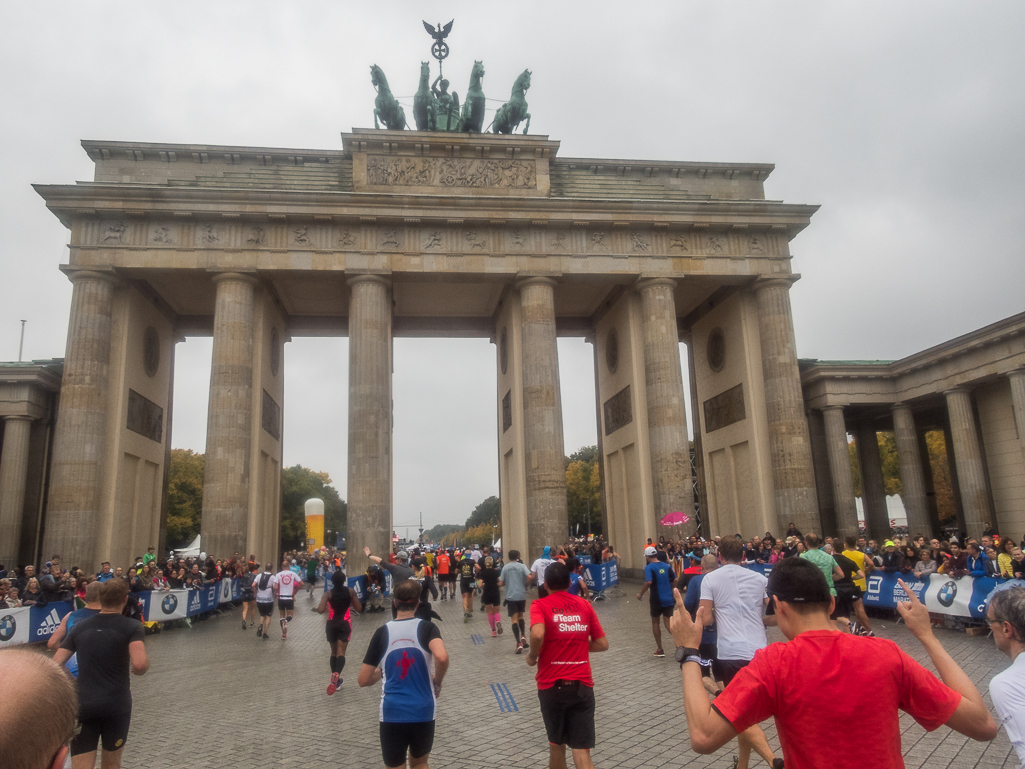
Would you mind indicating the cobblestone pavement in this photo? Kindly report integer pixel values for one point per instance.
(216, 696)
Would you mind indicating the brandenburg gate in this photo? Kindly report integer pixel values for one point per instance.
(420, 234)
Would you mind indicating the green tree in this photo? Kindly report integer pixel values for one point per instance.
(583, 488)
(936, 445)
(299, 484)
(184, 496)
(587, 454)
(887, 447)
(435, 533)
(487, 512)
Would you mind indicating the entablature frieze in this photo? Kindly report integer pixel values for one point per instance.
(423, 237)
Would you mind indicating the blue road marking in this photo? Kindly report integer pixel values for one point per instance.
(478, 640)
(504, 698)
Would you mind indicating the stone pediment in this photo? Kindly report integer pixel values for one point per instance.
(436, 163)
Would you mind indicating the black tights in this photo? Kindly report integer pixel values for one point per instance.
(337, 663)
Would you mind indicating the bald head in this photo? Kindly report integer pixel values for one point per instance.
(709, 563)
(50, 719)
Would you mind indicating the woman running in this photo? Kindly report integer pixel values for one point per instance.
(249, 597)
(337, 602)
(490, 595)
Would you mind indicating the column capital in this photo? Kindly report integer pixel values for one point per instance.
(956, 390)
(644, 283)
(237, 277)
(900, 405)
(18, 418)
(96, 274)
(536, 280)
(369, 277)
(776, 281)
(1017, 373)
(831, 407)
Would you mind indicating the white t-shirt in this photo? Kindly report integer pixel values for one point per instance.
(738, 595)
(286, 581)
(1008, 692)
(264, 596)
(539, 567)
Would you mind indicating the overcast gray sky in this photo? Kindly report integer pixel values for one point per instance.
(904, 121)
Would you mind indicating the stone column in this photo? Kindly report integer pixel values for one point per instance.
(968, 463)
(793, 474)
(672, 486)
(370, 419)
(912, 476)
(840, 471)
(873, 488)
(80, 442)
(13, 475)
(547, 520)
(1017, 380)
(229, 427)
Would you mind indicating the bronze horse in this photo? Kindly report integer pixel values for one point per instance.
(473, 107)
(425, 111)
(514, 111)
(386, 106)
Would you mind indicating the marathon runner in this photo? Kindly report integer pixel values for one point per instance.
(337, 602)
(514, 578)
(285, 584)
(249, 596)
(446, 575)
(263, 586)
(467, 574)
(491, 596)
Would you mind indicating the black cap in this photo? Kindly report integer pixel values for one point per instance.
(796, 580)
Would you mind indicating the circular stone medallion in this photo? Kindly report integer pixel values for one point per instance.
(716, 350)
(151, 351)
(503, 351)
(612, 350)
(275, 352)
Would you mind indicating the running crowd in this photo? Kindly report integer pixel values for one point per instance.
(714, 609)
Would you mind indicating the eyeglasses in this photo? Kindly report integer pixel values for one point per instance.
(997, 621)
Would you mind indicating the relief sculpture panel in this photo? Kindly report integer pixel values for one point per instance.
(456, 172)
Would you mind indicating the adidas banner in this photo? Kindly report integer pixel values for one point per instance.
(31, 623)
(601, 576)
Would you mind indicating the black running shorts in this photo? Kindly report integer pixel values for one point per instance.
(708, 652)
(516, 607)
(491, 598)
(450, 577)
(465, 586)
(286, 604)
(726, 670)
(656, 609)
(568, 713)
(338, 630)
(111, 728)
(397, 738)
(265, 609)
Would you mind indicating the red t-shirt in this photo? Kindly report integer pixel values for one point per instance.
(570, 624)
(816, 686)
(443, 564)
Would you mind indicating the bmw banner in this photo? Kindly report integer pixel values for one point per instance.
(14, 626)
(965, 597)
(225, 591)
(167, 606)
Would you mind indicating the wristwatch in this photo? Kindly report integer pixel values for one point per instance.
(687, 654)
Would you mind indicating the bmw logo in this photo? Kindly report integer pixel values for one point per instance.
(169, 604)
(947, 593)
(7, 627)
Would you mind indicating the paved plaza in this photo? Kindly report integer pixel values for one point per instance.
(216, 696)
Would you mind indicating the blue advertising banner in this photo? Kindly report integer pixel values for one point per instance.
(601, 576)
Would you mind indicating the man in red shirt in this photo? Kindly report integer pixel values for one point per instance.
(564, 629)
(806, 683)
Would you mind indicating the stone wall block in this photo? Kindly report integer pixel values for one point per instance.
(14, 465)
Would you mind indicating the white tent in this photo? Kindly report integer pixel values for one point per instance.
(191, 551)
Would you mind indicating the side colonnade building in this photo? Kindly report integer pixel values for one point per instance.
(422, 234)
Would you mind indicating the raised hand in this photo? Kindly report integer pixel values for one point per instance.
(914, 613)
(686, 632)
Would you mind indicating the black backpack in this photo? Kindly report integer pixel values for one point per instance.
(265, 579)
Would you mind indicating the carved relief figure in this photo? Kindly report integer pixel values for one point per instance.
(716, 244)
(347, 238)
(639, 242)
(678, 243)
(256, 236)
(209, 234)
(599, 240)
(115, 233)
(390, 237)
(421, 172)
(300, 237)
(755, 245)
(162, 235)
(518, 238)
(431, 240)
(475, 239)
(559, 244)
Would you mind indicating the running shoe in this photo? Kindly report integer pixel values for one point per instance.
(251, 624)
(466, 616)
(519, 647)
(335, 680)
(494, 634)
(243, 624)
(499, 627)
(284, 629)
(259, 631)
(659, 653)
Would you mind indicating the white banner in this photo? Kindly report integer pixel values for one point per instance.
(165, 607)
(14, 626)
(225, 591)
(946, 595)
